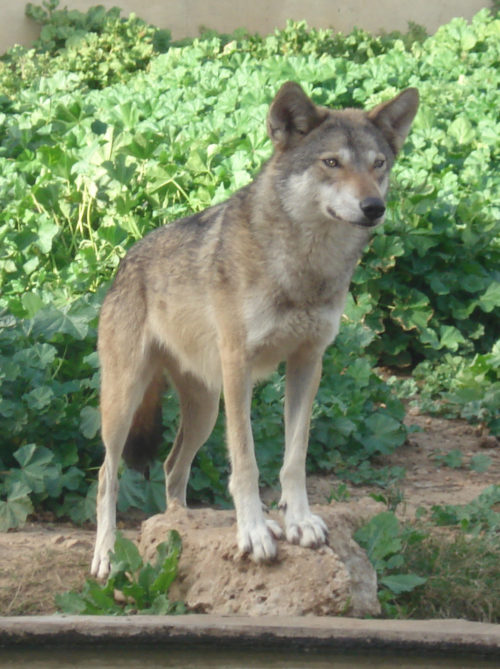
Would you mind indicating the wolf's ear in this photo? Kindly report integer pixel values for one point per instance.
(394, 118)
(292, 115)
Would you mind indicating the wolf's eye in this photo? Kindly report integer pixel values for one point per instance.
(331, 162)
(380, 162)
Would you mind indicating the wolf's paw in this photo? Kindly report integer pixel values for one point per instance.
(100, 567)
(101, 562)
(258, 540)
(310, 531)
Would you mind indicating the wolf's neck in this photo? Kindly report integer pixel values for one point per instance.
(301, 247)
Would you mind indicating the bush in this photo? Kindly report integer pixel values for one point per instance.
(99, 46)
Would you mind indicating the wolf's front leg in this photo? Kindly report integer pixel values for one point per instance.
(256, 534)
(302, 380)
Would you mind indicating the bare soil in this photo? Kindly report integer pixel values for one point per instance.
(45, 558)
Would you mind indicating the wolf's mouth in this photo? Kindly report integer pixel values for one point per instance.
(366, 223)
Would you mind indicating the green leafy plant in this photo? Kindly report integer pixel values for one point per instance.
(386, 543)
(133, 586)
(392, 497)
(48, 433)
(455, 459)
(477, 516)
(458, 386)
(339, 494)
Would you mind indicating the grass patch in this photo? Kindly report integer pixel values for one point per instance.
(462, 578)
(427, 571)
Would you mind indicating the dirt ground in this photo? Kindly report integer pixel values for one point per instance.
(44, 558)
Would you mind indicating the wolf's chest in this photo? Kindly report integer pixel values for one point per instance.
(278, 325)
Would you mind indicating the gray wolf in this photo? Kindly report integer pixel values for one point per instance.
(216, 300)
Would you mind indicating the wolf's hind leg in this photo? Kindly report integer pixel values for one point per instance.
(302, 380)
(122, 391)
(199, 407)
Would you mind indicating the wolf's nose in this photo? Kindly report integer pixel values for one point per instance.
(372, 207)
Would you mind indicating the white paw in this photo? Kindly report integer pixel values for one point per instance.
(101, 561)
(259, 540)
(100, 567)
(310, 531)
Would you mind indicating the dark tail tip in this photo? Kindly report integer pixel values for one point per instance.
(145, 434)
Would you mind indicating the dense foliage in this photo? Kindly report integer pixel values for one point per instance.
(102, 139)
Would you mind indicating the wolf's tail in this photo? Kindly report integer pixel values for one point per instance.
(146, 430)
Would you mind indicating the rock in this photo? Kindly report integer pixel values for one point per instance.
(328, 581)
(489, 441)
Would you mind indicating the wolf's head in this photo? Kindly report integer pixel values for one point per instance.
(334, 165)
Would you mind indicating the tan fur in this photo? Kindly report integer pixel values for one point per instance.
(218, 299)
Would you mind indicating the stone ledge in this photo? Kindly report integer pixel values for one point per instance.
(267, 631)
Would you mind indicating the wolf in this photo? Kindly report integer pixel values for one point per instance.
(214, 301)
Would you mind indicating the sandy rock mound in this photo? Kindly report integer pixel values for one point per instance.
(331, 580)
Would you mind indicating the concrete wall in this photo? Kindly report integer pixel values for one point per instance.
(184, 17)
